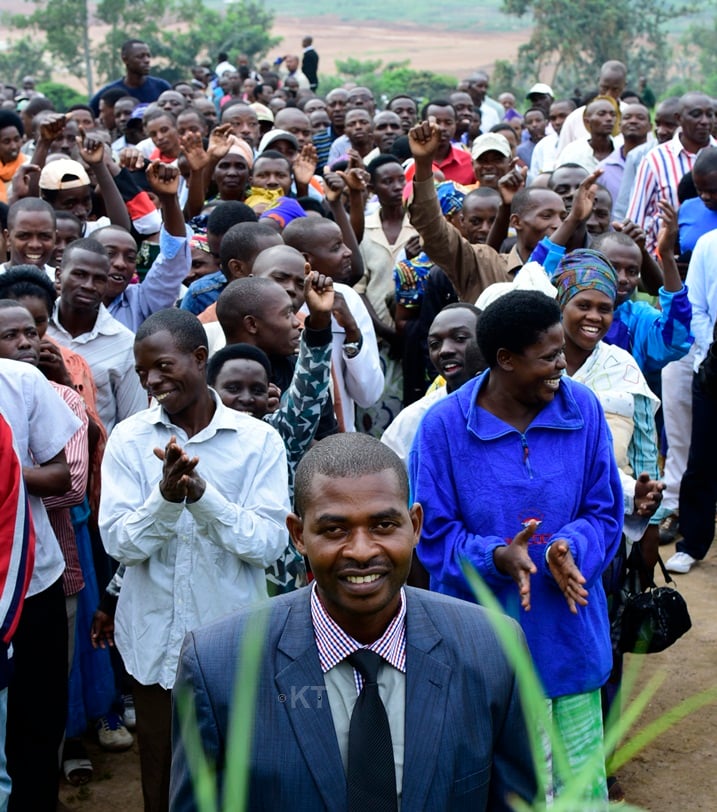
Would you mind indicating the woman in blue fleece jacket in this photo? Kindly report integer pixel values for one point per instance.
(516, 475)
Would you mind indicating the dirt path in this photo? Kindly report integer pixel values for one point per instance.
(675, 774)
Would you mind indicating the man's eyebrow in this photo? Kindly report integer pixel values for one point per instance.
(389, 513)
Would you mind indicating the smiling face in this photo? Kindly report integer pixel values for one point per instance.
(19, 340)
(358, 535)
(122, 251)
(175, 379)
(490, 167)
(539, 220)
(243, 385)
(536, 372)
(587, 318)
(627, 261)
(453, 348)
(31, 240)
(478, 216)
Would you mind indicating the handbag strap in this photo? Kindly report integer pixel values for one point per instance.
(665, 574)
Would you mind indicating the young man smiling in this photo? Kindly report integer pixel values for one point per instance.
(442, 678)
(195, 522)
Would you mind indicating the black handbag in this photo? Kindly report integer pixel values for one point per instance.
(649, 621)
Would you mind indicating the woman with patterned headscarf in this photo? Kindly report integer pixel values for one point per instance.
(587, 289)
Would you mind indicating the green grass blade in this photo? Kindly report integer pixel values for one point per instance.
(202, 772)
(243, 715)
(657, 727)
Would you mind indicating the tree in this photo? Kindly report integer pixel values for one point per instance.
(574, 39)
(177, 31)
(23, 57)
(385, 81)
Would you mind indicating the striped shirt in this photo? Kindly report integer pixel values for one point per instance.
(58, 507)
(108, 349)
(335, 645)
(658, 176)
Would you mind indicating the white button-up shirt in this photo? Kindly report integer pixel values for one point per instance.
(189, 564)
(108, 349)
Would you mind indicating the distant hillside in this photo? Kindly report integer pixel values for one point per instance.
(447, 15)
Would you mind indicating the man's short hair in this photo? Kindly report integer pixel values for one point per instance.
(235, 352)
(523, 200)
(706, 162)
(184, 327)
(619, 237)
(436, 103)
(128, 44)
(242, 242)
(243, 297)
(514, 322)
(84, 244)
(461, 306)
(379, 161)
(303, 232)
(28, 204)
(111, 96)
(346, 456)
(228, 214)
(21, 281)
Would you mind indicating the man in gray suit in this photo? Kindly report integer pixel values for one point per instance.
(457, 730)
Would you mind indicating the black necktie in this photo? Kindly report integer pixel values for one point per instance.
(371, 770)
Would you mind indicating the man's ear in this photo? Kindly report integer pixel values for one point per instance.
(296, 531)
(250, 324)
(201, 354)
(416, 513)
(505, 359)
(515, 222)
(235, 269)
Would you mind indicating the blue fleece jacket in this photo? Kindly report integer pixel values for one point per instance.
(480, 481)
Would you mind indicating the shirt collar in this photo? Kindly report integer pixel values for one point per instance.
(223, 418)
(335, 645)
(105, 324)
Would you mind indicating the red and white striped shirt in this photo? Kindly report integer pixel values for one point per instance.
(335, 645)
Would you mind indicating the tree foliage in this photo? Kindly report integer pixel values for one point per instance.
(385, 81)
(575, 38)
(178, 32)
(23, 57)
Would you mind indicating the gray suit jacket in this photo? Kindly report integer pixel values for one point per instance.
(466, 744)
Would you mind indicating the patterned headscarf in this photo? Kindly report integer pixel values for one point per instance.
(581, 270)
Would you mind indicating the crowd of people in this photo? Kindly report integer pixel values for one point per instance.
(259, 344)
